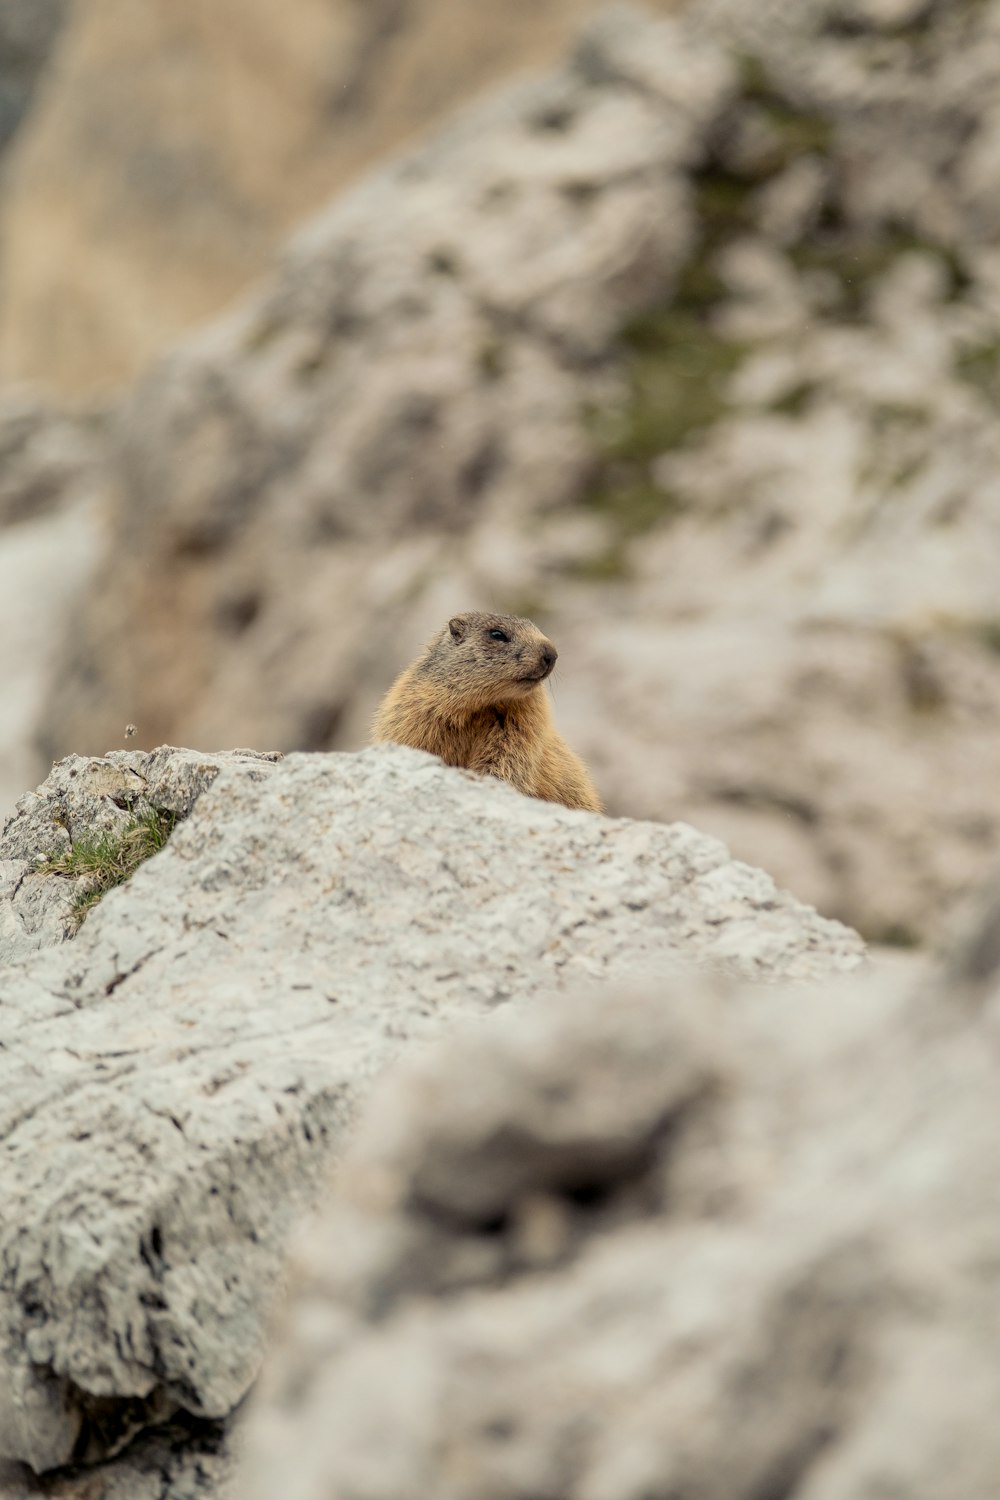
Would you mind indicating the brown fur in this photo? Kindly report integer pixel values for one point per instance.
(482, 703)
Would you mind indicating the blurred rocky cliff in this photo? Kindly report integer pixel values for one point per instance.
(688, 349)
(172, 146)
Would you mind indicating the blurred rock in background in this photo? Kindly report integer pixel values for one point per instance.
(174, 144)
(727, 1244)
(52, 481)
(688, 348)
(28, 32)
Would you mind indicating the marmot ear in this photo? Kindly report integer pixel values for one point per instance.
(457, 627)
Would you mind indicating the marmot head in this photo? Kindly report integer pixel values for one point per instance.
(492, 659)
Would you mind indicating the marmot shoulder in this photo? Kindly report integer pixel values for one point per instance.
(477, 698)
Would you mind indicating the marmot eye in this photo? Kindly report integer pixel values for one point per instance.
(499, 635)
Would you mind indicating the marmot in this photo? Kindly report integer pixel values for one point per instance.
(477, 698)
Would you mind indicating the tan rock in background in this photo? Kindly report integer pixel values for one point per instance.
(174, 144)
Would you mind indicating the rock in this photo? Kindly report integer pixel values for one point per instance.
(183, 1459)
(52, 482)
(173, 1082)
(28, 32)
(46, 458)
(814, 746)
(692, 1240)
(84, 799)
(161, 166)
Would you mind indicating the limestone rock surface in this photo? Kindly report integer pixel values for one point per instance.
(180, 1459)
(85, 799)
(689, 1241)
(174, 1080)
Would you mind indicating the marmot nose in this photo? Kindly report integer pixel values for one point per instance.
(549, 655)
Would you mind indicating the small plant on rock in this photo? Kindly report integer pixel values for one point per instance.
(103, 860)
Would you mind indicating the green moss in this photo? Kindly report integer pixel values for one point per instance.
(679, 368)
(723, 204)
(634, 504)
(700, 288)
(800, 134)
(796, 400)
(891, 935)
(796, 131)
(856, 262)
(988, 631)
(610, 565)
(979, 365)
(491, 358)
(677, 365)
(103, 860)
(886, 416)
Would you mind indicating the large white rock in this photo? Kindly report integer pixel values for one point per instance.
(172, 1083)
(705, 1241)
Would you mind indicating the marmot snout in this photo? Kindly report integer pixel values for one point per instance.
(476, 697)
(502, 649)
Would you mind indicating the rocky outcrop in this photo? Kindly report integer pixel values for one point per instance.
(168, 154)
(694, 1240)
(87, 800)
(174, 1081)
(669, 351)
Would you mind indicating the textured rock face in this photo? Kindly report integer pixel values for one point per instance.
(173, 1081)
(696, 1241)
(165, 160)
(83, 799)
(688, 351)
(183, 1460)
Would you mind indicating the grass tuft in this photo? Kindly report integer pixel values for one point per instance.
(100, 861)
